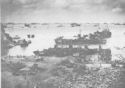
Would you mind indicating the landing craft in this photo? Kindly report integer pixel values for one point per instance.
(91, 39)
(79, 46)
(23, 43)
(16, 37)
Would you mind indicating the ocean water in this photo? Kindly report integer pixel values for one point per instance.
(45, 35)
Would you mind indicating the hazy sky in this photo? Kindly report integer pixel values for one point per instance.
(63, 10)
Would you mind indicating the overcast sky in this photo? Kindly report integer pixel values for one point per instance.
(63, 11)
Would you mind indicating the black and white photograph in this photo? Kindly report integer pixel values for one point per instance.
(62, 43)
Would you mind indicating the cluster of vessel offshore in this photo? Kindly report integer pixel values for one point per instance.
(14, 41)
(80, 46)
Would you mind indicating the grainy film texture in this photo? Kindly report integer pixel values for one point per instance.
(62, 44)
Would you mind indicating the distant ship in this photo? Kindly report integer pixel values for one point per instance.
(75, 24)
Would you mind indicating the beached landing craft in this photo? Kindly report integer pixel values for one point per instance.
(23, 43)
(80, 46)
(91, 39)
(103, 54)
